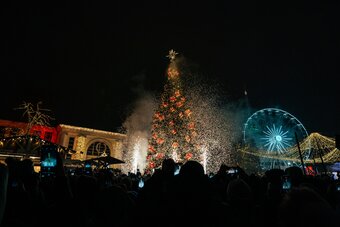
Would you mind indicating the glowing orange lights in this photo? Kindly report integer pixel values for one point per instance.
(172, 99)
(152, 149)
(188, 112)
(160, 141)
(179, 104)
(175, 145)
(159, 155)
(172, 73)
(159, 116)
(151, 165)
(188, 156)
(177, 93)
(191, 125)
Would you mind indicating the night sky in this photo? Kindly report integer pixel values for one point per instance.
(88, 63)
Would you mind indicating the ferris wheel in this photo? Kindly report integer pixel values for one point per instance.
(272, 131)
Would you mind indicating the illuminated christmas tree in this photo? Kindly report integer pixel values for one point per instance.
(173, 132)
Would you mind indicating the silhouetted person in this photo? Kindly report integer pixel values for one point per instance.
(85, 192)
(240, 198)
(302, 206)
(273, 195)
(155, 193)
(3, 189)
(220, 181)
(191, 198)
(113, 207)
(295, 174)
(19, 209)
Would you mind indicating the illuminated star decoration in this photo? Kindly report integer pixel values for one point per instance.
(172, 55)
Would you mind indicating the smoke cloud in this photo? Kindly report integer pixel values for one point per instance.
(137, 128)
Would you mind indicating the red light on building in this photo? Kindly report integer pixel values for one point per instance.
(14, 128)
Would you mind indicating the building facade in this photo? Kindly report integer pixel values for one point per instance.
(91, 143)
(86, 143)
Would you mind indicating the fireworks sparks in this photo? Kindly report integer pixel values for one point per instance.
(216, 127)
(137, 127)
(204, 159)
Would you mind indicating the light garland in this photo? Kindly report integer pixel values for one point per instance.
(314, 143)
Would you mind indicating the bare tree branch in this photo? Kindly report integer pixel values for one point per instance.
(35, 116)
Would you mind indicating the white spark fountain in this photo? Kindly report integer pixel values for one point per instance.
(204, 159)
(175, 155)
(139, 153)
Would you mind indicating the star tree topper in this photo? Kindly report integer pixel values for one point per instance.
(172, 55)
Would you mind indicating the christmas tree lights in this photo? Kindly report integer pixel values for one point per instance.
(173, 131)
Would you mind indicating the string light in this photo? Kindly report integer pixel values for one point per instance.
(312, 145)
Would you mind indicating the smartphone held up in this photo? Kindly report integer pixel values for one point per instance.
(286, 184)
(48, 161)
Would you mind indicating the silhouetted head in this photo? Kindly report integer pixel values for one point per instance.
(294, 171)
(295, 174)
(238, 189)
(274, 175)
(168, 166)
(27, 166)
(192, 169)
(223, 169)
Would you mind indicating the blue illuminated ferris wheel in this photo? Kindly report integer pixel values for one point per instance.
(272, 131)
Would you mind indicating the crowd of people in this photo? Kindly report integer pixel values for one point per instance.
(189, 198)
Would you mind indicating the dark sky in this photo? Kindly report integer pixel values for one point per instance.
(85, 62)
